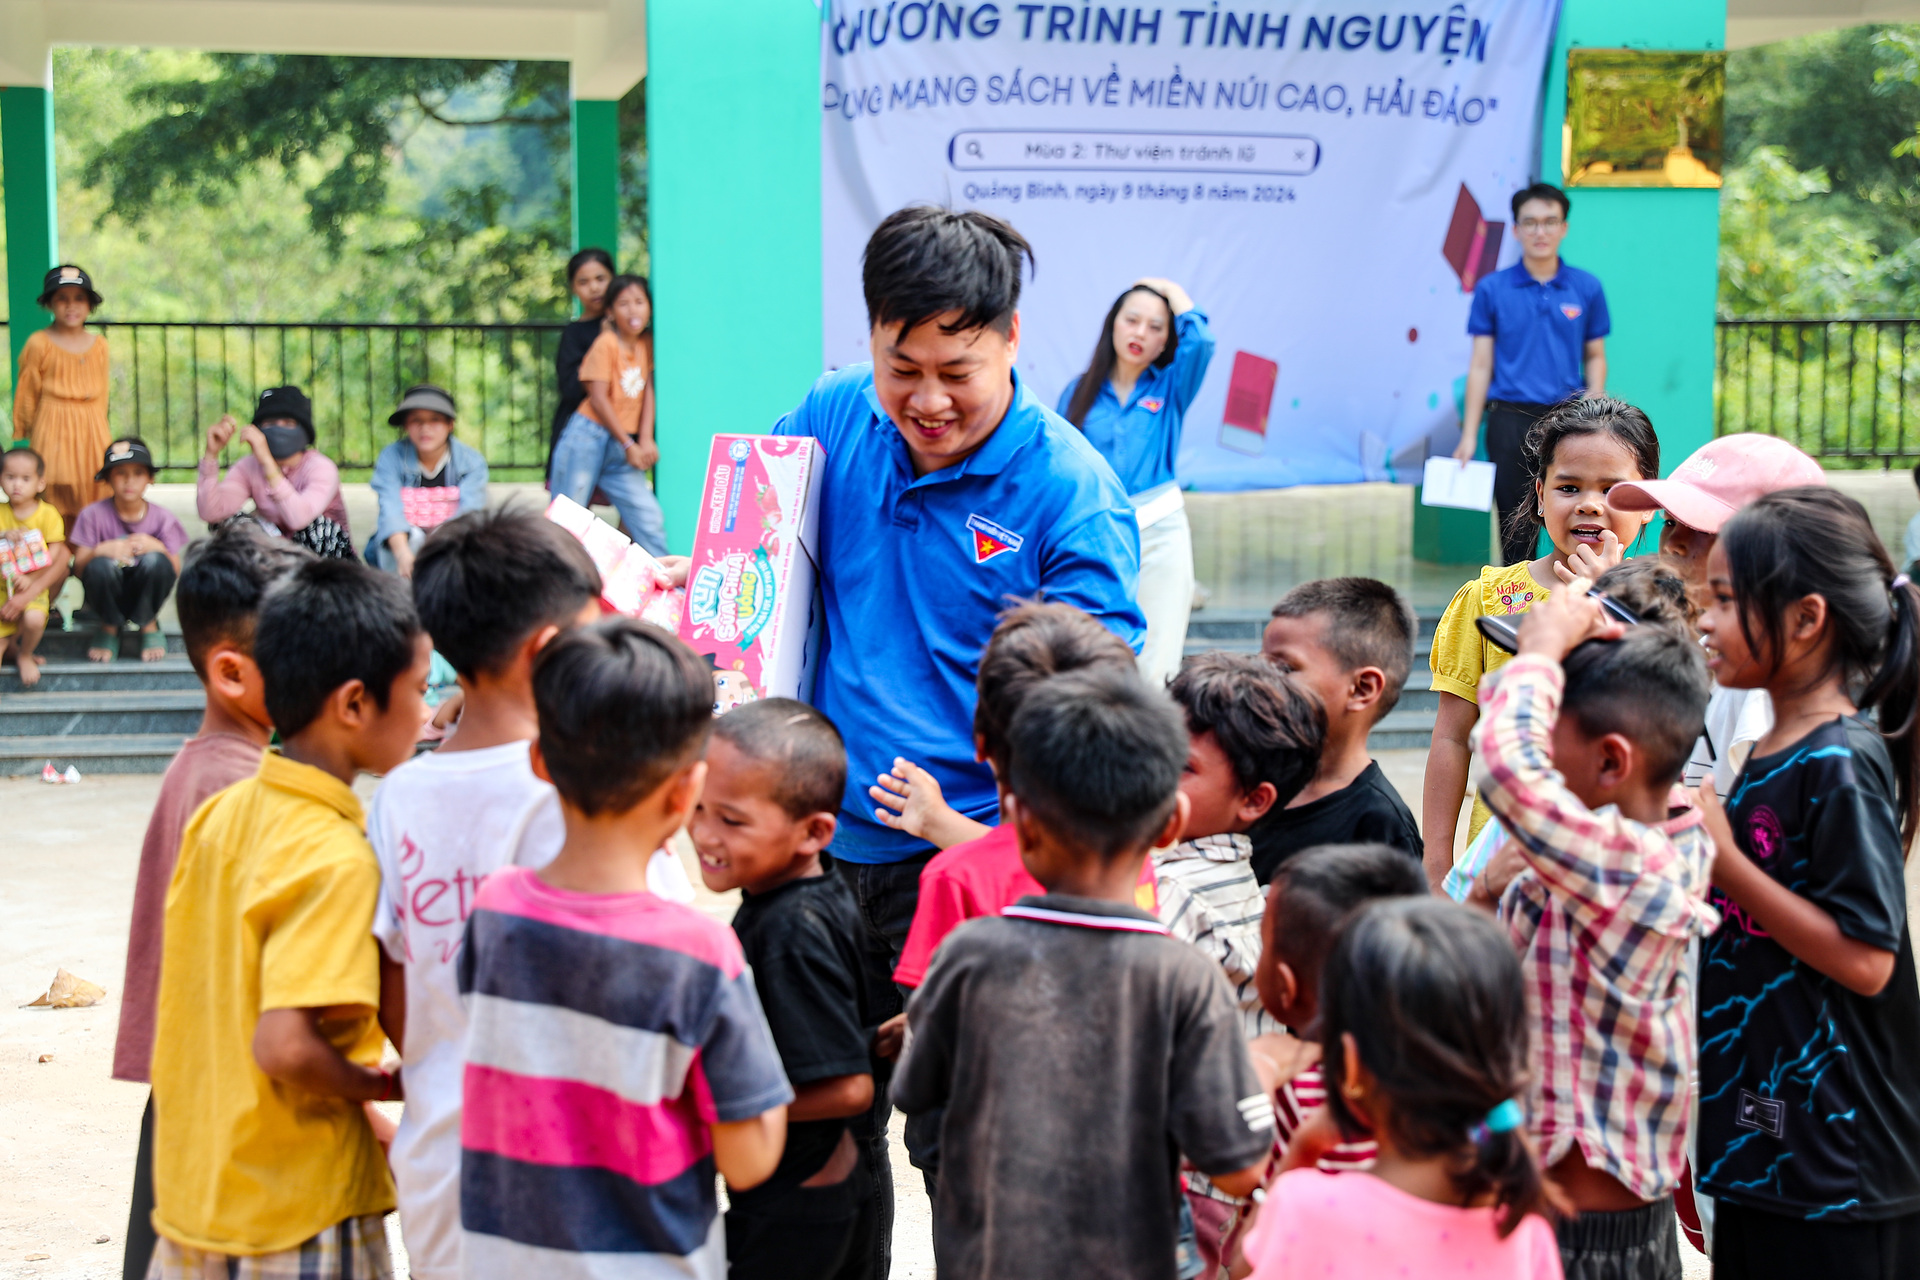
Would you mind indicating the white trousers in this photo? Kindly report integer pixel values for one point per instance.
(1165, 595)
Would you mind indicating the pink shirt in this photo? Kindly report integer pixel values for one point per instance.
(310, 489)
(1331, 1226)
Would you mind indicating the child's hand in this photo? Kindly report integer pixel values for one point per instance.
(1313, 1139)
(891, 1037)
(1278, 1059)
(673, 571)
(220, 434)
(1588, 561)
(1713, 815)
(1564, 620)
(14, 607)
(911, 797)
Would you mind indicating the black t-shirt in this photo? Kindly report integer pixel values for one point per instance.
(575, 341)
(799, 940)
(1078, 1051)
(1366, 810)
(1810, 1094)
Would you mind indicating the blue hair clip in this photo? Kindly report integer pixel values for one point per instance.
(1502, 1119)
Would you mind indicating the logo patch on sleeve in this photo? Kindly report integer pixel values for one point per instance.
(990, 539)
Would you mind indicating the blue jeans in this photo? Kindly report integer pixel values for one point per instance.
(589, 456)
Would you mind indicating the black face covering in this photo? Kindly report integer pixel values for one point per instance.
(284, 442)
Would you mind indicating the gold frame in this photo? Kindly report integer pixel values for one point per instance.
(1644, 118)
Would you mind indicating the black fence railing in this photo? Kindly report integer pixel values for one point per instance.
(1845, 389)
(170, 380)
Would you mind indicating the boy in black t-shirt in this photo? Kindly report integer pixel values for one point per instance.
(1077, 1048)
(775, 771)
(1350, 640)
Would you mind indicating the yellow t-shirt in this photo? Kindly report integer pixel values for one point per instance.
(52, 530)
(270, 907)
(1461, 655)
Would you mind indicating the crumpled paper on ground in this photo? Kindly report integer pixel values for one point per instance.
(69, 992)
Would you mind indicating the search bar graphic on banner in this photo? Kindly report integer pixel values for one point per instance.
(1155, 151)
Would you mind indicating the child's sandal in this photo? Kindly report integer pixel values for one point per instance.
(153, 645)
(106, 641)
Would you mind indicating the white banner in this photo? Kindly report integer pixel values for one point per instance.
(1325, 181)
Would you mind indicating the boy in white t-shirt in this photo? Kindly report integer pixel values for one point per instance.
(493, 588)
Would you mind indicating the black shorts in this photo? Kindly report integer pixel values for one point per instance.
(1749, 1244)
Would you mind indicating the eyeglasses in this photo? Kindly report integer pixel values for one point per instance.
(1542, 224)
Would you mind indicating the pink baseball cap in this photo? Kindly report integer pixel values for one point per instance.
(1722, 476)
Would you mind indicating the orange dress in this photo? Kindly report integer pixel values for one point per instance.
(60, 407)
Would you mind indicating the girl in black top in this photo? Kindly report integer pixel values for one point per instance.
(1809, 1123)
(588, 274)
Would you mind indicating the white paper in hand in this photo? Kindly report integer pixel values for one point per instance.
(1448, 483)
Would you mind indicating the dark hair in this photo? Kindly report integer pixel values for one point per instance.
(800, 743)
(585, 256)
(1541, 191)
(1817, 541)
(1916, 475)
(1368, 624)
(1100, 368)
(1031, 642)
(1096, 757)
(223, 577)
(622, 705)
(1432, 994)
(1316, 889)
(923, 261)
(487, 580)
(1571, 419)
(326, 623)
(619, 285)
(1651, 685)
(1652, 588)
(39, 463)
(1269, 728)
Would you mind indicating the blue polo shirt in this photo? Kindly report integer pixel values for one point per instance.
(1141, 438)
(1539, 331)
(914, 571)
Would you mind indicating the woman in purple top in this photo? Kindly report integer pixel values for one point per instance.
(294, 487)
(126, 552)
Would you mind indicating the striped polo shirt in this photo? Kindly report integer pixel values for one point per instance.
(606, 1033)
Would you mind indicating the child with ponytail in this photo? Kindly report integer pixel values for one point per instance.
(1425, 1034)
(1809, 1135)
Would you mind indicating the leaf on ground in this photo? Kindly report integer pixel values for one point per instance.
(68, 992)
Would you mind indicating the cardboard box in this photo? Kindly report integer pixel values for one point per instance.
(751, 602)
(628, 582)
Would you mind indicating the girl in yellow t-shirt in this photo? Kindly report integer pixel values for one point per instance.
(1579, 451)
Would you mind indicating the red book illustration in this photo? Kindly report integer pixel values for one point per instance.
(1473, 244)
(1243, 425)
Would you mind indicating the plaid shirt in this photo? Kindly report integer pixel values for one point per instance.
(1602, 917)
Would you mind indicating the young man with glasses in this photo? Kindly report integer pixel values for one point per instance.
(1539, 337)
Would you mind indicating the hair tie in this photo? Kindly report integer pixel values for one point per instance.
(1502, 1119)
(1900, 580)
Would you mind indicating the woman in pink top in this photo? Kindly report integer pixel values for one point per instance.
(295, 489)
(1425, 1034)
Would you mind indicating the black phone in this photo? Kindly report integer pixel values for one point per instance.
(1504, 633)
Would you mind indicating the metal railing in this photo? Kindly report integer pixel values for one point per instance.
(170, 380)
(1845, 389)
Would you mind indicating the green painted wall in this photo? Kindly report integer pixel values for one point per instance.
(33, 229)
(733, 145)
(596, 174)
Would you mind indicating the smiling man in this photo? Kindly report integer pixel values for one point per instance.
(950, 491)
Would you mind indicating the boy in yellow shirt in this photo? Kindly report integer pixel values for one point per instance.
(267, 1040)
(35, 534)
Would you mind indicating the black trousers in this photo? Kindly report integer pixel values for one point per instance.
(120, 594)
(886, 894)
(1751, 1245)
(1507, 427)
(803, 1233)
(140, 1238)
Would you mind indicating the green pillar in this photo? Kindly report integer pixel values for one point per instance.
(33, 230)
(733, 192)
(596, 174)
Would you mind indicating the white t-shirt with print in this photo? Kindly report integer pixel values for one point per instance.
(1734, 717)
(440, 824)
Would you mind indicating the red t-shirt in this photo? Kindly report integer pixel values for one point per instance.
(979, 878)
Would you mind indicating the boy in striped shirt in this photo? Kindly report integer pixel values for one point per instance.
(617, 1054)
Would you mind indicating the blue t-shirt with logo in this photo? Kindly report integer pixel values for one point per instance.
(1809, 1092)
(914, 572)
(1540, 331)
(1141, 438)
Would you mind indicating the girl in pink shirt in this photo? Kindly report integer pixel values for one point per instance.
(1425, 1035)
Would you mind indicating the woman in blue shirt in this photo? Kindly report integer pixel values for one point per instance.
(1147, 367)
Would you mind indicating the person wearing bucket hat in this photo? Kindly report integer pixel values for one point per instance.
(295, 489)
(423, 479)
(126, 552)
(60, 395)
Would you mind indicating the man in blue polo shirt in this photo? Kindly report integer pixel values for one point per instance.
(950, 491)
(1539, 337)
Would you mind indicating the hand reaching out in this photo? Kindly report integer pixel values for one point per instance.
(910, 798)
(891, 1037)
(220, 434)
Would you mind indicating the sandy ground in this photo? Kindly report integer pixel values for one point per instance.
(67, 1131)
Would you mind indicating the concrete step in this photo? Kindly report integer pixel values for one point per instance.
(1402, 729)
(71, 646)
(90, 753)
(100, 712)
(125, 673)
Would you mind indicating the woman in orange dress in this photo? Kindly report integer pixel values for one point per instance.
(60, 396)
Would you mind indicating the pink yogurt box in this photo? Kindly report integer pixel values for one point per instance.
(627, 573)
(751, 605)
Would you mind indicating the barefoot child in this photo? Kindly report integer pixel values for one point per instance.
(266, 1043)
(126, 551)
(36, 536)
(776, 772)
